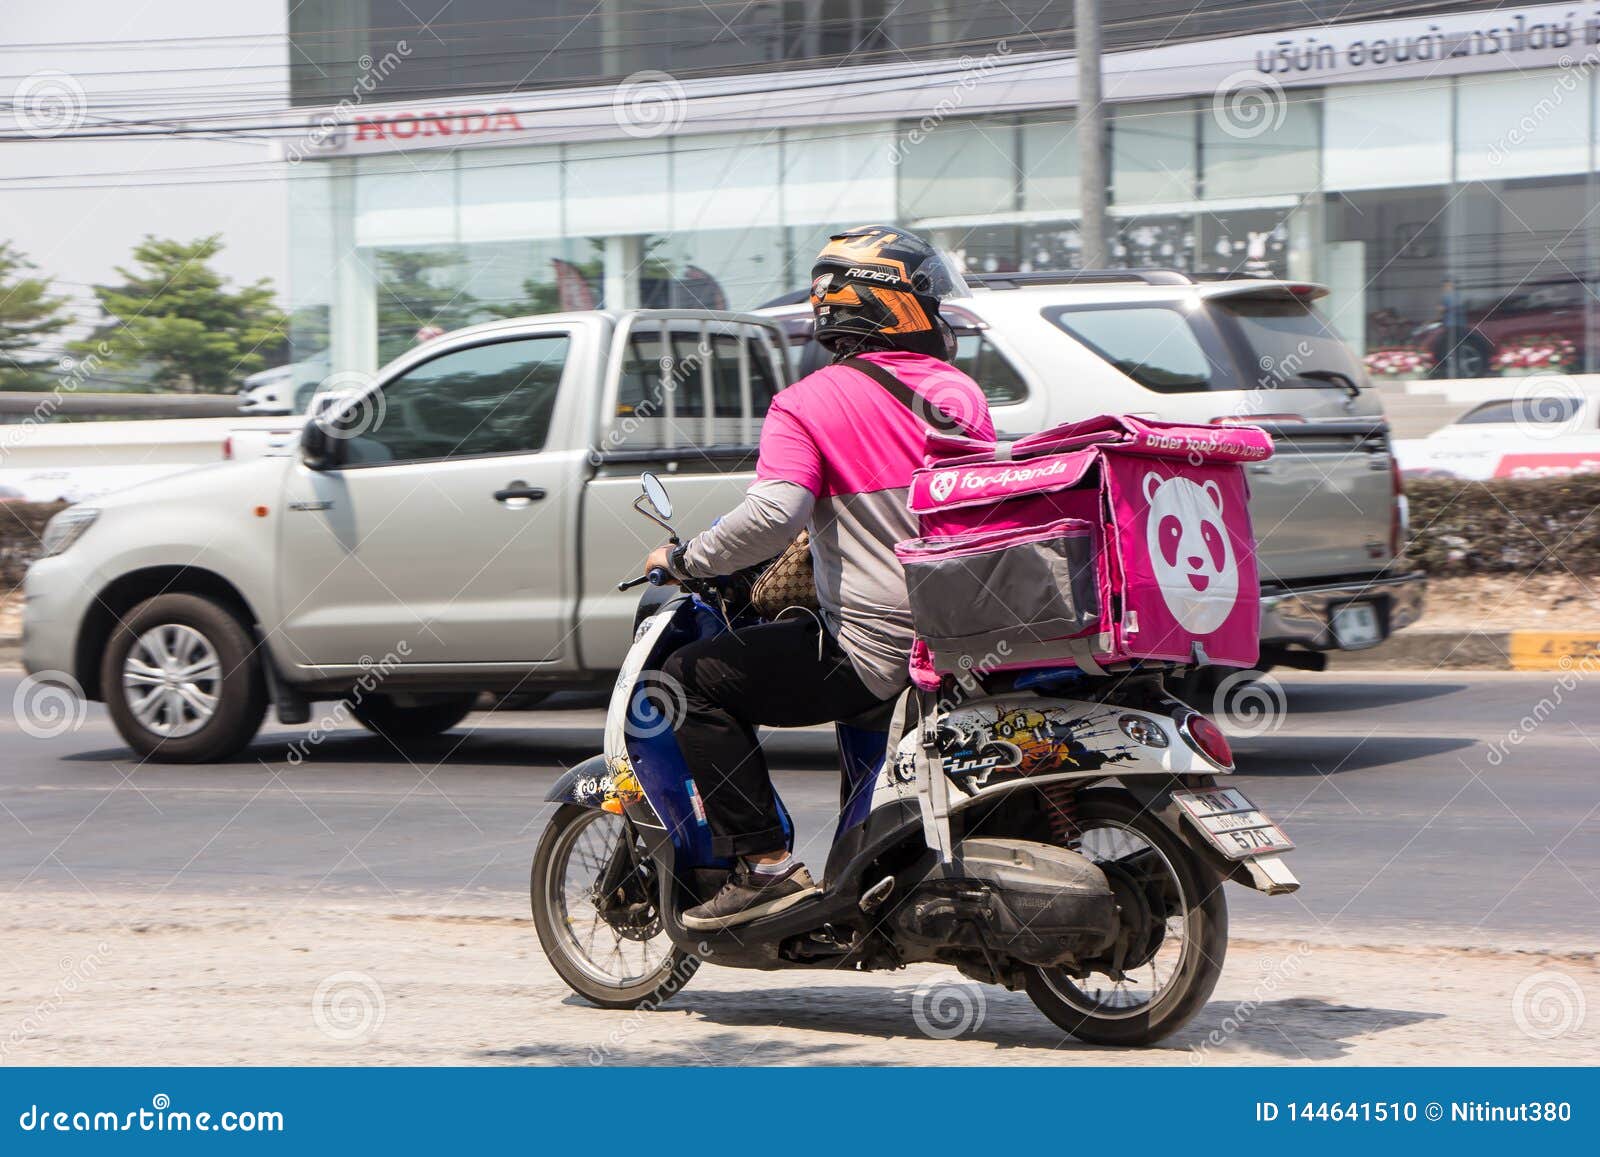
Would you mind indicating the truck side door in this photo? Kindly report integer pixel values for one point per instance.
(444, 537)
(685, 397)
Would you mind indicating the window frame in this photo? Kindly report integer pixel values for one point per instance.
(672, 327)
(962, 327)
(564, 333)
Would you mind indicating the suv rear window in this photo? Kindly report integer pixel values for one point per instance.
(1287, 336)
(1158, 345)
(1231, 343)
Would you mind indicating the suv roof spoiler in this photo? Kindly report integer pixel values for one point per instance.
(1091, 276)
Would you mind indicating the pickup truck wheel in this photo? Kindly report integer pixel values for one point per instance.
(182, 681)
(383, 716)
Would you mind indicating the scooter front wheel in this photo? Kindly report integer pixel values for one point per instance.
(594, 898)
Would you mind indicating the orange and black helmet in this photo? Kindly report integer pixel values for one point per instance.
(876, 287)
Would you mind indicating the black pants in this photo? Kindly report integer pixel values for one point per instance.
(788, 674)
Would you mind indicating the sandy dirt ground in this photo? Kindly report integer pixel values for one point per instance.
(1554, 602)
(237, 980)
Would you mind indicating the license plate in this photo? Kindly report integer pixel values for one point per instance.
(1355, 625)
(1231, 823)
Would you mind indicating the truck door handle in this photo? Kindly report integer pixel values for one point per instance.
(516, 490)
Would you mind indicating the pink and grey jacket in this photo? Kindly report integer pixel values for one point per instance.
(837, 454)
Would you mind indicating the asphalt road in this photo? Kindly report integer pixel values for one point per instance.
(1416, 817)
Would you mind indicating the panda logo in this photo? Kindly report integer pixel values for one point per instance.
(1190, 553)
(943, 485)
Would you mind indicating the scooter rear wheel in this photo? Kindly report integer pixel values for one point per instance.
(613, 957)
(1174, 961)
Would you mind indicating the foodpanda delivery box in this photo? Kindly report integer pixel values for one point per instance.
(1091, 544)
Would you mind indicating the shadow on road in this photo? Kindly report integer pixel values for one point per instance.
(1330, 697)
(1278, 755)
(1291, 1029)
(546, 747)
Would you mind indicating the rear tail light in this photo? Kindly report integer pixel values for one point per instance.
(1206, 738)
(1399, 509)
(227, 448)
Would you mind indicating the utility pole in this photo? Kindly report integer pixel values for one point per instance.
(1091, 138)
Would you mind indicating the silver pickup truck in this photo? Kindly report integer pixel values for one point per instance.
(460, 527)
(462, 524)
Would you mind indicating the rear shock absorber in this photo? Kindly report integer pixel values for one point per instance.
(1061, 812)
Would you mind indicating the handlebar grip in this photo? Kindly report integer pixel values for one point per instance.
(656, 577)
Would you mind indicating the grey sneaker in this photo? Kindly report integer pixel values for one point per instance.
(749, 896)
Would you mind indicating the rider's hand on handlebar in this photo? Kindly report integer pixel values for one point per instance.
(659, 557)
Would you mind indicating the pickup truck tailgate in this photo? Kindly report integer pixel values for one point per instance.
(1323, 505)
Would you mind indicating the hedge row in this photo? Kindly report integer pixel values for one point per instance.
(1547, 525)
(1457, 528)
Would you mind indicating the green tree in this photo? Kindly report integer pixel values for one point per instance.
(28, 314)
(417, 291)
(174, 314)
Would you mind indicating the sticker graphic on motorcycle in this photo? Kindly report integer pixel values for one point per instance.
(1189, 550)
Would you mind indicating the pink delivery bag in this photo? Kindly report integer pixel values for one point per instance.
(1091, 544)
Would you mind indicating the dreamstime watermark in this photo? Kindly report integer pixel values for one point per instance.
(49, 103)
(1573, 672)
(945, 1009)
(160, 1117)
(967, 678)
(330, 127)
(373, 673)
(659, 705)
(1547, 406)
(1570, 81)
(1271, 376)
(1548, 1004)
(76, 974)
(636, 1019)
(348, 405)
(49, 704)
(1246, 104)
(972, 71)
(1249, 704)
(72, 373)
(674, 373)
(348, 1006)
(649, 103)
(1275, 974)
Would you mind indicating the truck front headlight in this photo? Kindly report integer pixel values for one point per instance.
(66, 528)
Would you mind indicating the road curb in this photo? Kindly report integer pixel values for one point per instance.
(1463, 650)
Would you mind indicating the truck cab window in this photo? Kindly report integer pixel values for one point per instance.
(490, 399)
(661, 398)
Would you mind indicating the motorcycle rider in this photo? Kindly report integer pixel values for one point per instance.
(838, 449)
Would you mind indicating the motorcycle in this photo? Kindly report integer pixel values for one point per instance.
(1047, 831)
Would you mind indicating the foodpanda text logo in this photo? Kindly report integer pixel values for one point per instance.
(1190, 553)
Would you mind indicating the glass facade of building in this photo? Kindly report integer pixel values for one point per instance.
(1452, 216)
(478, 46)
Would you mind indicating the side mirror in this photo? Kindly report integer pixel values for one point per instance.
(655, 493)
(319, 450)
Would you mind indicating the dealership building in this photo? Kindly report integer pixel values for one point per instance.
(1435, 167)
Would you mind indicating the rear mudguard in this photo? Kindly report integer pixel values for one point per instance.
(585, 785)
(1155, 797)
